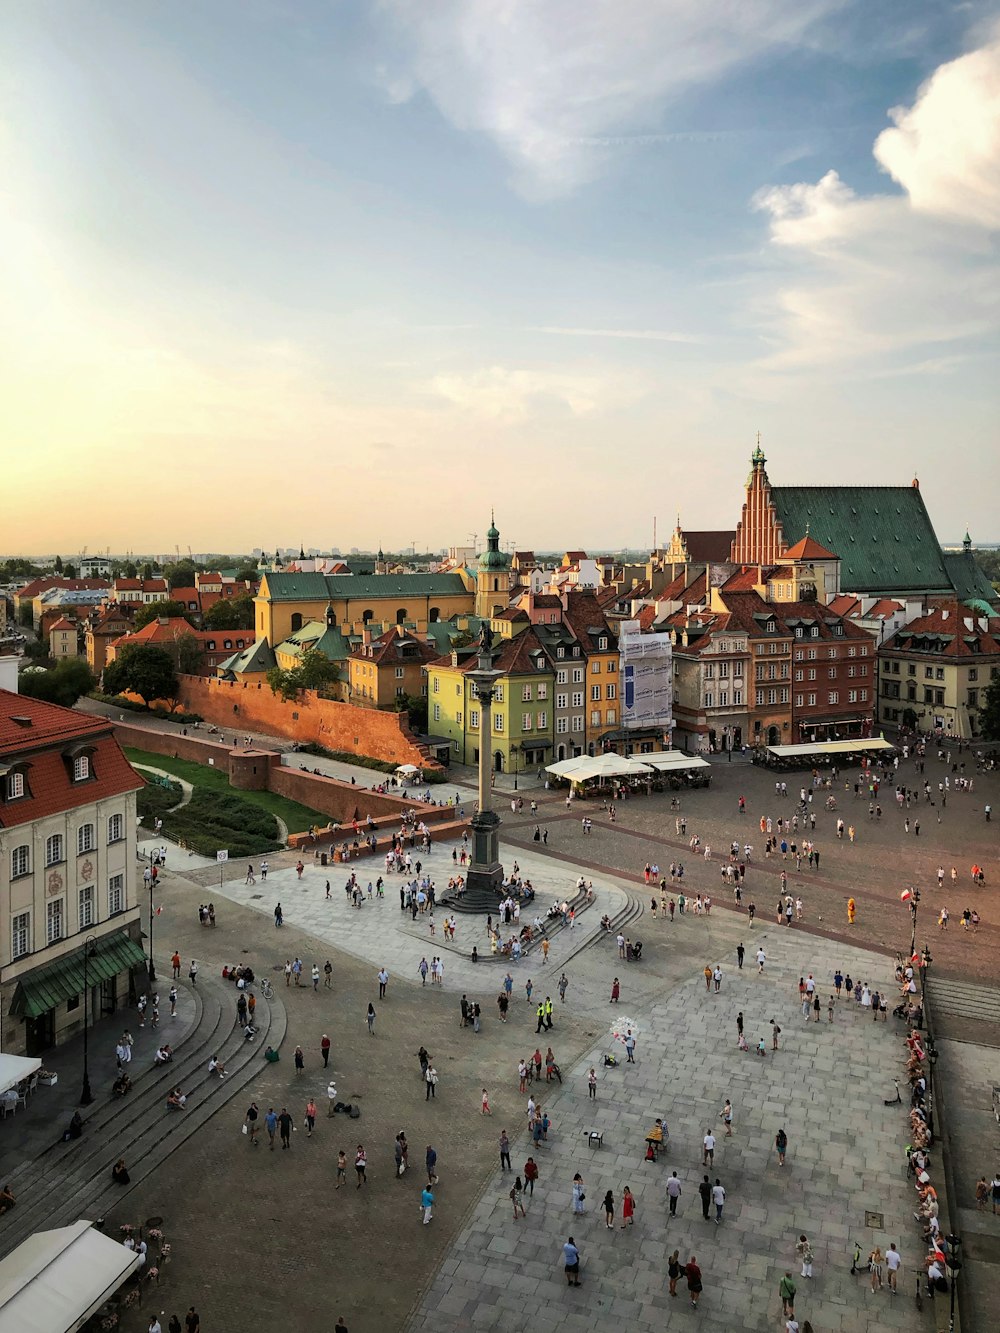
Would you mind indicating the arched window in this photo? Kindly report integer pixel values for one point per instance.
(434, 615)
(296, 621)
(401, 616)
(496, 585)
(366, 616)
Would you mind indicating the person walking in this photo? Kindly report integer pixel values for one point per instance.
(578, 1194)
(630, 1047)
(516, 1197)
(300, 1060)
(719, 1199)
(430, 1162)
(427, 1204)
(284, 1128)
(250, 1121)
(324, 1047)
(693, 1274)
(361, 1165)
(705, 1190)
(761, 960)
(708, 1149)
(609, 1210)
(591, 1084)
(486, 1103)
(383, 981)
(781, 1146)
(314, 973)
(674, 1270)
(786, 1290)
(804, 1251)
(875, 1267)
(726, 1116)
(530, 1175)
(430, 1078)
(616, 990)
(310, 1117)
(504, 1151)
(193, 971)
(673, 1193)
(628, 1207)
(370, 1016)
(893, 1263)
(740, 952)
(571, 1263)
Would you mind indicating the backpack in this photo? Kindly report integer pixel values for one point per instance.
(354, 1112)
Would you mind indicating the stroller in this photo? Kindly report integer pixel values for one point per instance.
(636, 952)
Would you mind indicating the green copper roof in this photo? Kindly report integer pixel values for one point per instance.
(968, 580)
(328, 640)
(882, 534)
(331, 587)
(258, 657)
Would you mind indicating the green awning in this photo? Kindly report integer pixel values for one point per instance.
(54, 983)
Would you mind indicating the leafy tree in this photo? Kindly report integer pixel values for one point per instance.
(247, 574)
(147, 570)
(17, 568)
(26, 615)
(235, 614)
(70, 571)
(36, 649)
(62, 685)
(314, 671)
(416, 706)
(188, 654)
(989, 713)
(165, 610)
(129, 570)
(59, 564)
(180, 574)
(144, 669)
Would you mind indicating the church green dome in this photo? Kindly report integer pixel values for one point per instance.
(493, 558)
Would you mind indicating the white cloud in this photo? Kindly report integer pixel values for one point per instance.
(900, 275)
(553, 83)
(628, 335)
(499, 394)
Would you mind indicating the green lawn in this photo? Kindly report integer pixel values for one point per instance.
(296, 817)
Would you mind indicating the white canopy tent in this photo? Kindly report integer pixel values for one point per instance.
(585, 768)
(674, 761)
(55, 1280)
(407, 770)
(867, 745)
(15, 1068)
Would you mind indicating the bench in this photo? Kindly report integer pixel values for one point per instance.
(595, 1137)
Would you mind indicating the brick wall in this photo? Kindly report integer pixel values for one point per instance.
(195, 748)
(337, 726)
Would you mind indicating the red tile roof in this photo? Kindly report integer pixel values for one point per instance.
(705, 546)
(807, 548)
(47, 582)
(387, 651)
(62, 623)
(950, 630)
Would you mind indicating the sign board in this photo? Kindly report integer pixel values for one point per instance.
(647, 678)
(222, 856)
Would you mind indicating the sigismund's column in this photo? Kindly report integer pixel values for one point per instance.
(485, 871)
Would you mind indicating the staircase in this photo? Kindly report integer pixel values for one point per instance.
(73, 1180)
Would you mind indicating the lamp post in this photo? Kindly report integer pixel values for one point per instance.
(89, 949)
(152, 969)
(514, 751)
(954, 1263)
(914, 900)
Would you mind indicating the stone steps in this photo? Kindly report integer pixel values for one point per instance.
(73, 1179)
(961, 999)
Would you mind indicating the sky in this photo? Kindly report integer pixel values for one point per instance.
(348, 274)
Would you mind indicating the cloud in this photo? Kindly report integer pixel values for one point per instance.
(508, 396)
(557, 85)
(880, 277)
(640, 335)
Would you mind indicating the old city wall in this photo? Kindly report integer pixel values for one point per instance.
(337, 726)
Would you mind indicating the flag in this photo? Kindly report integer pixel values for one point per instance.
(906, 895)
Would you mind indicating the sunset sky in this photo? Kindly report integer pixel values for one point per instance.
(283, 270)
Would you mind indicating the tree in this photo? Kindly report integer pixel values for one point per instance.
(144, 669)
(231, 614)
(130, 571)
(188, 654)
(416, 706)
(59, 564)
(164, 610)
(147, 570)
(989, 713)
(70, 571)
(314, 672)
(62, 685)
(17, 568)
(247, 574)
(180, 574)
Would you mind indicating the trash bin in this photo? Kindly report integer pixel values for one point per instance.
(322, 859)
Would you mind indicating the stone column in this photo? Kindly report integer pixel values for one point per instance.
(485, 870)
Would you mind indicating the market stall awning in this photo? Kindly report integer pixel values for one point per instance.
(584, 768)
(831, 749)
(674, 761)
(55, 1280)
(14, 1069)
(55, 983)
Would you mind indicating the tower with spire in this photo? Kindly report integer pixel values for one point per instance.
(492, 576)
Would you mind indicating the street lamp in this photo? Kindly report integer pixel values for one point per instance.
(89, 950)
(954, 1263)
(152, 969)
(514, 748)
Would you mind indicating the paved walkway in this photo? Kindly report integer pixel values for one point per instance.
(846, 1155)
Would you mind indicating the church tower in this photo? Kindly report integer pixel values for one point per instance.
(492, 577)
(759, 538)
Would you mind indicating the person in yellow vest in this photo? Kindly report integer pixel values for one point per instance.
(548, 1012)
(540, 1015)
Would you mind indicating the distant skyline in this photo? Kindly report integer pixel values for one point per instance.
(293, 266)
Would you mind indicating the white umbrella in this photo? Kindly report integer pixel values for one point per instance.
(621, 1027)
(407, 768)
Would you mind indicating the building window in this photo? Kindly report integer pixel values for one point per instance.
(81, 768)
(799, 674)
(928, 673)
(84, 839)
(833, 697)
(852, 696)
(474, 717)
(498, 721)
(561, 676)
(973, 673)
(525, 721)
(760, 698)
(20, 861)
(811, 654)
(86, 907)
(561, 725)
(20, 935)
(15, 781)
(542, 721)
(710, 671)
(400, 692)
(595, 667)
(709, 699)
(611, 716)
(972, 699)
(526, 694)
(863, 695)
(799, 700)
(772, 696)
(738, 697)
(577, 698)
(498, 694)
(852, 652)
(578, 723)
(560, 652)
(578, 675)
(458, 718)
(723, 670)
(542, 691)
(437, 712)
(116, 895)
(771, 627)
(54, 849)
(54, 920)
(458, 686)
(595, 693)
(595, 717)
(738, 669)
(561, 700)
(611, 691)
(832, 673)
(436, 687)
(784, 695)
(814, 632)
(798, 631)
(723, 698)
(400, 671)
(116, 828)
(812, 701)
(799, 655)
(939, 673)
(831, 652)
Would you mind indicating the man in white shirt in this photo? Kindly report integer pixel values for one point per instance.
(708, 1148)
(673, 1193)
(761, 960)
(893, 1261)
(718, 1198)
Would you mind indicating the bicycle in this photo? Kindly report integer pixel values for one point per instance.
(266, 989)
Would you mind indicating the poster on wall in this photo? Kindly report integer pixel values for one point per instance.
(647, 678)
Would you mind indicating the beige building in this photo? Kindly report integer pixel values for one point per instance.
(69, 915)
(64, 640)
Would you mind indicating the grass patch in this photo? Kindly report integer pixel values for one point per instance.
(154, 801)
(205, 778)
(211, 820)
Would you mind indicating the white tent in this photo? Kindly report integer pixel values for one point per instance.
(674, 761)
(14, 1068)
(585, 768)
(406, 770)
(55, 1280)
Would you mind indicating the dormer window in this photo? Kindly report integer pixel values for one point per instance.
(602, 644)
(81, 768)
(14, 786)
(814, 632)
(798, 631)
(560, 652)
(771, 627)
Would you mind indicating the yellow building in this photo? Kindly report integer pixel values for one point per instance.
(583, 616)
(384, 669)
(64, 640)
(288, 601)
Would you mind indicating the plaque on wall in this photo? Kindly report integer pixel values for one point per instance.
(54, 883)
(85, 871)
